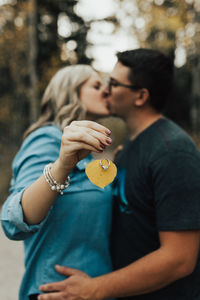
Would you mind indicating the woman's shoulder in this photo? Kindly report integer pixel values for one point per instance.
(42, 135)
(42, 140)
(47, 131)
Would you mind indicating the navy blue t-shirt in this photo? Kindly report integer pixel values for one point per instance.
(157, 189)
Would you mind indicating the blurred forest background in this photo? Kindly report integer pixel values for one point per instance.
(39, 37)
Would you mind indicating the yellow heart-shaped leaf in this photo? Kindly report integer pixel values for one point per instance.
(98, 175)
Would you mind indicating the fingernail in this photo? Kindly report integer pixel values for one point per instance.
(102, 145)
(57, 266)
(109, 140)
(108, 132)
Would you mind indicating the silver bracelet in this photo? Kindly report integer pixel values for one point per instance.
(54, 185)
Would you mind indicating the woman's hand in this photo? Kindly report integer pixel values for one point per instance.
(79, 139)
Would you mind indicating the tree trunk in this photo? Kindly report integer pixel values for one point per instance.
(195, 108)
(32, 60)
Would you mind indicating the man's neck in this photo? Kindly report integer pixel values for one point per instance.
(140, 121)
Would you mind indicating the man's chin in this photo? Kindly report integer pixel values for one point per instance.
(114, 114)
(103, 115)
(111, 111)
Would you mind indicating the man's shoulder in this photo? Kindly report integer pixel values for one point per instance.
(167, 137)
(176, 139)
(162, 141)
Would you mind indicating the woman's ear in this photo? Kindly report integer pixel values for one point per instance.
(143, 96)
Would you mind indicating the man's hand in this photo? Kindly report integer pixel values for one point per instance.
(175, 259)
(78, 286)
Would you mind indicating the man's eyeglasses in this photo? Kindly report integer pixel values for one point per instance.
(115, 83)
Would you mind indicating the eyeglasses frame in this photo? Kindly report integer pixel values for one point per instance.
(117, 83)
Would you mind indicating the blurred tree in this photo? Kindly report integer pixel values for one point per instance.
(171, 26)
(14, 75)
(32, 59)
(36, 38)
(61, 36)
(193, 52)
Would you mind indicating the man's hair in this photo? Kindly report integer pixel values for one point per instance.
(152, 70)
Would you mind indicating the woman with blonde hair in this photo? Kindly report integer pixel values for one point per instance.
(61, 216)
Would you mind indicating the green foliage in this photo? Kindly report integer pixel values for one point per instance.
(51, 51)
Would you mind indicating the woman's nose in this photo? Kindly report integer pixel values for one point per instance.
(105, 91)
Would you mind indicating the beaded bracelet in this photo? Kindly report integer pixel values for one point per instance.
(54, 185)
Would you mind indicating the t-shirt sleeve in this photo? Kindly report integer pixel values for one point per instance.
(176, 180)
(40, 148)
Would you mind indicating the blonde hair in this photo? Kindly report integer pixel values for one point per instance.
(61, 104)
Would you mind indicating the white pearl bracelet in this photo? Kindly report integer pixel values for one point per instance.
(54, 185)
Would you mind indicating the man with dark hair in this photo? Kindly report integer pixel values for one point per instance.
(156, 222)
(150, 69)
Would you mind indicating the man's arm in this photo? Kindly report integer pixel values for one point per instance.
(176, 258)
